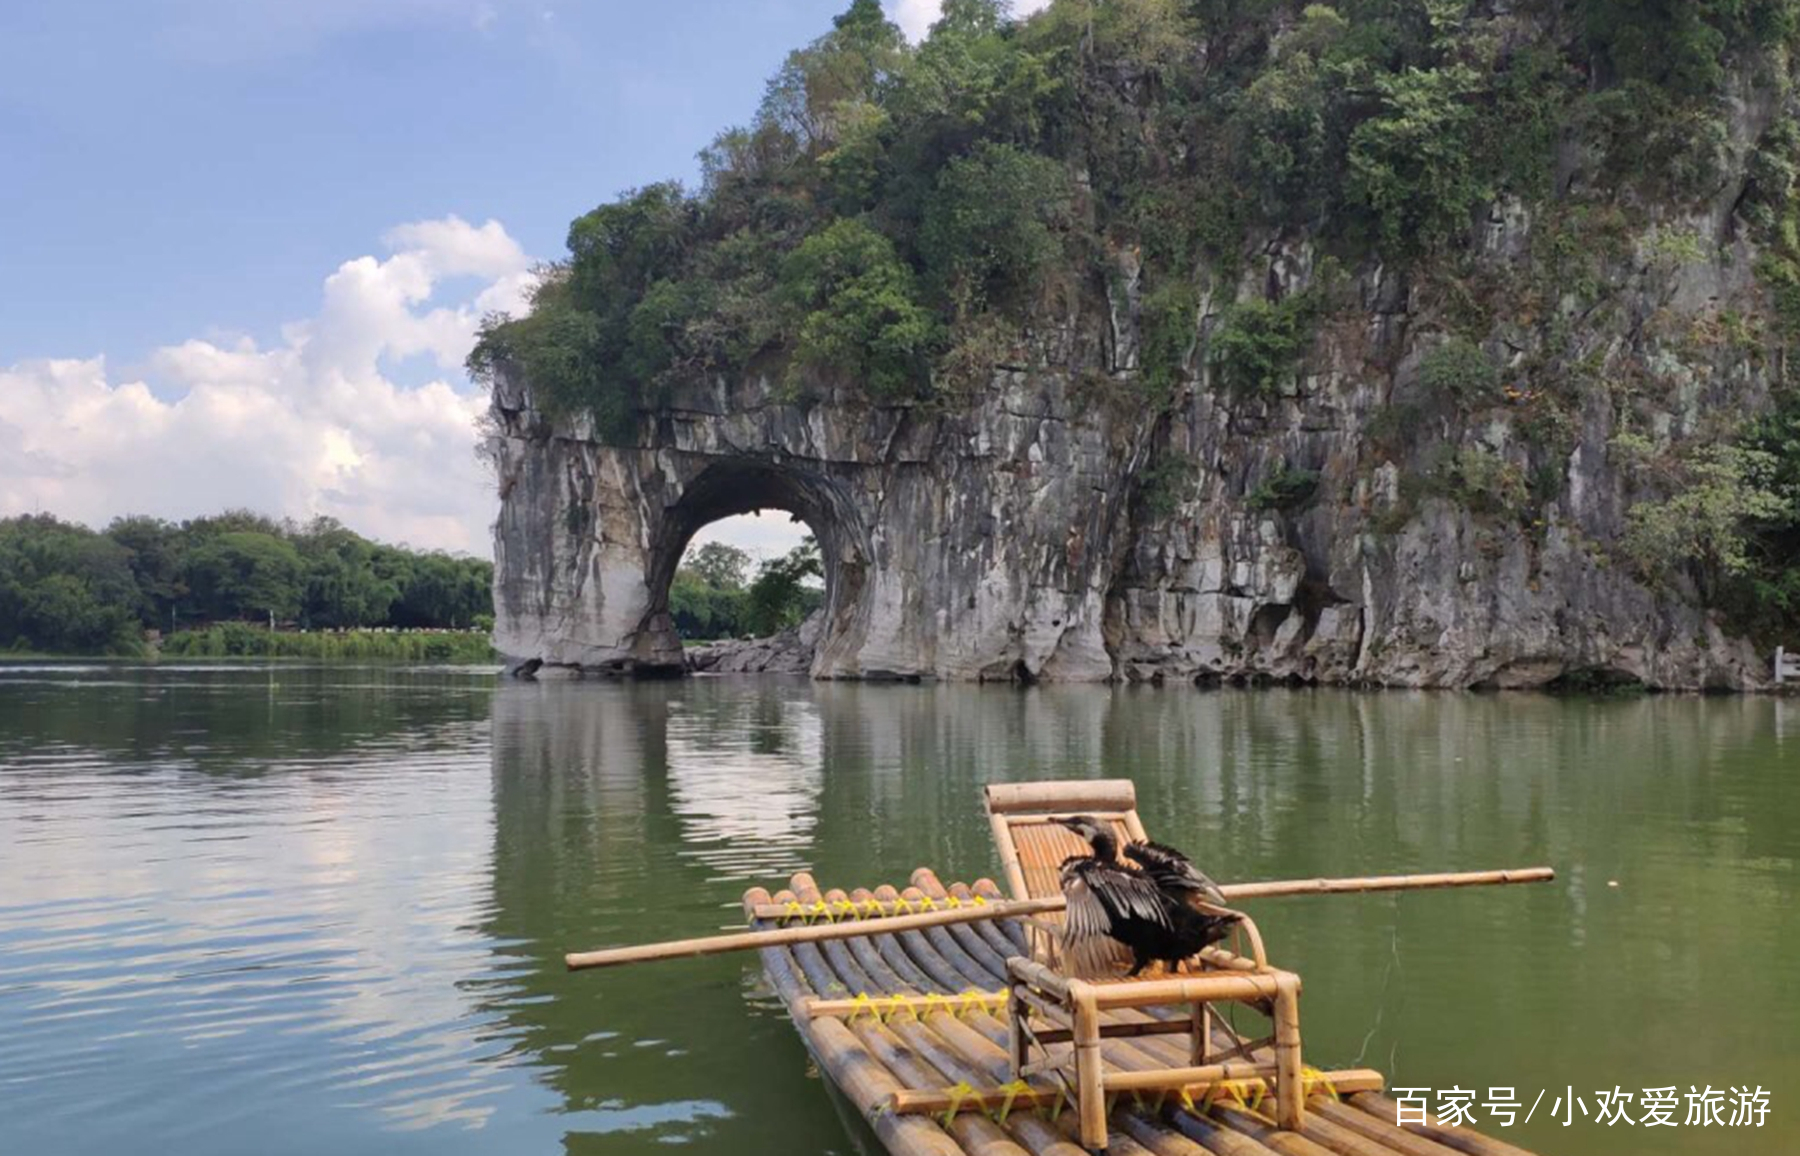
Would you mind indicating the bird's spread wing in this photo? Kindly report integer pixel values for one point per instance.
(1102, 897)
(1174, 872)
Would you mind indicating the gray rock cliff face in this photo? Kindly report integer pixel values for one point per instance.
(1045, 529)
(969, 545)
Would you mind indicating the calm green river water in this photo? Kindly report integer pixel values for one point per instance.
(322, 910)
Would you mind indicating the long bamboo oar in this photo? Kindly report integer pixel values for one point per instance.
(887, 921)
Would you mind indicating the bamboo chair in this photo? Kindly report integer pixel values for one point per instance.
(1032, 850)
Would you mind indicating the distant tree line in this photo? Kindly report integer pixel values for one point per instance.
(68, 589)
(713, 596)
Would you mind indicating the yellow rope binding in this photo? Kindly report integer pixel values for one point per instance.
(1313, 1078)
(974, 1000)
(1013, 1092)
(1231, 1088)
(958, 1095)
(793, 910)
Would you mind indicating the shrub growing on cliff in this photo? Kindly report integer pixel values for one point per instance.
(1717, 495)
(1414, 165)
(1283, 134)
(860, 315)
(1286, 488)
(1167, 332)
(1256, 345)
(1680, 45)
(1765, 598)
(1458, 369)
(1727, 513)
(992, 228)
(1166, 483)
(558, 348)
(1482, 481)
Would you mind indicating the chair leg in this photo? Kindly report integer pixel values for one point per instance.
(1201, 1018)
(1090, 1091)
(1290, 1086)
(1021, 1039)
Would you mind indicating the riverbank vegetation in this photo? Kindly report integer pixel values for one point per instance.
(65, 588)
(243, 640)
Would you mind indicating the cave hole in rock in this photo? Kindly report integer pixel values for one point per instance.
(752, 548)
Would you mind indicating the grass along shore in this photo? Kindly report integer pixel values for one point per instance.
(241, 640)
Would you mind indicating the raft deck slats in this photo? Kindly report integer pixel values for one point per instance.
(932, 1050)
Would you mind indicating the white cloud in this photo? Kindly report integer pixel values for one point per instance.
(915, 17)
(452, 246)
(312, 425)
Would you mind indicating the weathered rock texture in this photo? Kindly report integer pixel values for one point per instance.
(1049, 529)
(788, 652)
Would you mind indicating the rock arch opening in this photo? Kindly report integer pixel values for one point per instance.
(733, 487)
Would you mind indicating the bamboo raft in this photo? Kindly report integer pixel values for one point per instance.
(926, 1004)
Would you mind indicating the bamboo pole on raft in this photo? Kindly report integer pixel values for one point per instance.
(854, 920)
(1267, 889)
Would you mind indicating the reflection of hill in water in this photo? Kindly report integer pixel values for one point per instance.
(746, 768)
(620, 810)
(628, 813)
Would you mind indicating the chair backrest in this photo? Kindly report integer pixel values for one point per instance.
(1032, 848)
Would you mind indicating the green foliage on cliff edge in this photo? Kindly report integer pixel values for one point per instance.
(889, 203)
(893, 210)
(1734, 508)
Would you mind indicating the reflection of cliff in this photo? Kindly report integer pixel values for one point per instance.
(617, 809)
(628, 812)
(745, 773)
(572, 772)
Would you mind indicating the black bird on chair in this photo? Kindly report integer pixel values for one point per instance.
(1148, 905)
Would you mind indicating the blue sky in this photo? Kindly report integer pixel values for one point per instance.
(190, 165)
(245, 243)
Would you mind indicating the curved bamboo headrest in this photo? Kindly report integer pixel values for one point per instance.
(1062, 797)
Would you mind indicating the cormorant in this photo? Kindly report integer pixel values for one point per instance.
(1147, 905)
